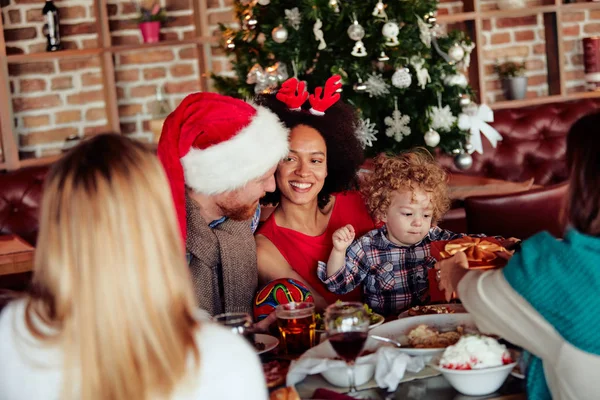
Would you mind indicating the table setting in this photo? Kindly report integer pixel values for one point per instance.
(387, 366)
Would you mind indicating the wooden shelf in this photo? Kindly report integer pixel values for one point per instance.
(140, 46)
(580, 6)
(544, 100)
(460, 17)
(63, 54)
(35, 162)
(517, 12)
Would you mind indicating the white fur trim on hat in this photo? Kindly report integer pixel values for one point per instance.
(248, 155)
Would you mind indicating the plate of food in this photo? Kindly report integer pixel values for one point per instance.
(375, 319)
(433, 309)
(264, 343)
(427, 335)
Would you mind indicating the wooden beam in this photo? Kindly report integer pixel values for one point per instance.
(10, 150)
(553, 54)
(107, 66)
(203, 48)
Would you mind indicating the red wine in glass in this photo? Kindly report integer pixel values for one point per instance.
(348, 345)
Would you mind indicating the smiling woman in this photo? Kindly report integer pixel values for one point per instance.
(314, 196)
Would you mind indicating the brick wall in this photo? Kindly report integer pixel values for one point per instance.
(577, 25)
(59, 98)
(53, 100)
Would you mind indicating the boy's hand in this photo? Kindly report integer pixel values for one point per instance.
(343, 237)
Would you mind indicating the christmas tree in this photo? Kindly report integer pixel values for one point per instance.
(404, 75)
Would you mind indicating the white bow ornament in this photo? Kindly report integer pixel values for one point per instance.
(475, 119)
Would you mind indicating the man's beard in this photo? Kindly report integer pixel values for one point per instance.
(239, 212)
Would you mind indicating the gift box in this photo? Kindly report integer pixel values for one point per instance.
(482, 253)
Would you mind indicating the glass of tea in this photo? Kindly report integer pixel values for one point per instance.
(238, 322)
(296, 323)
(347, 328)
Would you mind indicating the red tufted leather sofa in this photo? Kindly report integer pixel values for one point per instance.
(533, 146)
(20, 196)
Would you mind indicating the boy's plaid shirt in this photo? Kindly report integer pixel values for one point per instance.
(393, 277)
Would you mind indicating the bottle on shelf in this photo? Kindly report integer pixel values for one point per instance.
(52, 27)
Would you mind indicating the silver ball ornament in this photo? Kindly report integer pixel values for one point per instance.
(432, 138)
(264, 2)
(356, 32)
(279, 34)
(390, 29)
(456, 52)
(402, 78)
(463, 161)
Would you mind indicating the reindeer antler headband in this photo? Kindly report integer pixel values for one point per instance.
(293, 93)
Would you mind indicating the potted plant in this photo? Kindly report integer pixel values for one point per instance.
(514, 81)
(150, 20)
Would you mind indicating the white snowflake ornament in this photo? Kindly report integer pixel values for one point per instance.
(376, 86)
(366, 132)
(293, 17)
(397, 125)
(402, 78)
(442, 118)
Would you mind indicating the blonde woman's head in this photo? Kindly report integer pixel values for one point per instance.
(110, 272)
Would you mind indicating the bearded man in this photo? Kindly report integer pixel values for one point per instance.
(220, 154)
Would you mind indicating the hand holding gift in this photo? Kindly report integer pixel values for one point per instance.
(481, 253)
(466, 253)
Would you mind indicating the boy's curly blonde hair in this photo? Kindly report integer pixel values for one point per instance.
(408, 171)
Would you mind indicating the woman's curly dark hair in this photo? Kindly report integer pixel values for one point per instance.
(338, 128)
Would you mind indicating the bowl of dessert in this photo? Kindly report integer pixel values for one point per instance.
(476, 365)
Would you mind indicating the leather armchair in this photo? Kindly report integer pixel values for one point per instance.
(519, 215)
(20, 196)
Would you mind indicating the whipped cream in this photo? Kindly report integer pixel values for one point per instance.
(475, 352)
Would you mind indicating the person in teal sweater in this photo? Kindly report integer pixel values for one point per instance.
(546, 298)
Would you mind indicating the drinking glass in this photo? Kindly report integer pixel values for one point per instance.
(238, 322)
(347, 328)
(296, 323)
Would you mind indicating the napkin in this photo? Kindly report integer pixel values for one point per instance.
(390, 365)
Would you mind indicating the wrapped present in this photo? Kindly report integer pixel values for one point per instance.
(482, 253)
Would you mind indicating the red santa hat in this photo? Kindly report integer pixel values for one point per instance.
(213, 144)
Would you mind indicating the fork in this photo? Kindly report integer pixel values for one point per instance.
(386, 340)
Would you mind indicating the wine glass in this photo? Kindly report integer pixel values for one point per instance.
(347, 327)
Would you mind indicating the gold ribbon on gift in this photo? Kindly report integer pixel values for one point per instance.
(476, 249)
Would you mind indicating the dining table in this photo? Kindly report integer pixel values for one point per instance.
(427, 384)
(16, 255)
